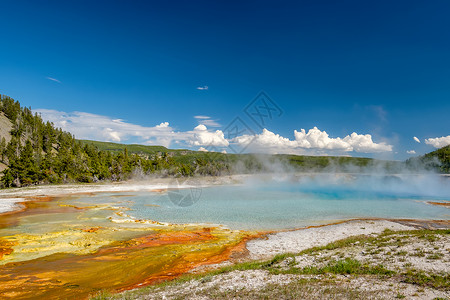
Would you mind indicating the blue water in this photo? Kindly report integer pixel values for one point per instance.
(296, 203)
(291, 202)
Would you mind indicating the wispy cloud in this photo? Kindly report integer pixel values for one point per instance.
(103, 128)
(411, 152)
(207, 121)
(416, 139)
(202, 88)
(202, 117)
(53, 79)
(379, 111)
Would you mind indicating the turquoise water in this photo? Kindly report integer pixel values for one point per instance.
(298, 202)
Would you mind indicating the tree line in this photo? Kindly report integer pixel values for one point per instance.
(40, 153)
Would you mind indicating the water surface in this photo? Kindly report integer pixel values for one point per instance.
(293, 203)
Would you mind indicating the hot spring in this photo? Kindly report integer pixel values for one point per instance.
(286, 202)
(94, 237)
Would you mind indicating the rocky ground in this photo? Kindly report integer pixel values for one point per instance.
(353, 260)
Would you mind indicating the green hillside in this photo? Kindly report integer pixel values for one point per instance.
(132, 148)
(438, 160)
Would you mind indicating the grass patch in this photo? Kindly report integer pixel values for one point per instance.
(439, 282)
(401, 253)
(347, 266)
(435, 256)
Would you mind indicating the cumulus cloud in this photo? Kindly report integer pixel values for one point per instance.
(202, 88)
(411, 152)
(163, 125)
(363, 143)
(438, 142)
(265, 139)
(207, 121)
(203, 137)
(416, 139)
(203, 149)
(313, 139)
(320, 139)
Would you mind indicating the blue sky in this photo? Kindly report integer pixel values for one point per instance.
(122, 68)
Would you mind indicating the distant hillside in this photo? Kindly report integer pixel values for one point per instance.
(249, 163)
(438, 160)
(132, 148)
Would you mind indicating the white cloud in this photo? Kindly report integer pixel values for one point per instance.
(53, 79)
(438, 142)
(320, 139)
(411, 152)
(364, 143)
(313, 139)
(200, 127)
(416, 139)
(203, 149)
(207, 121)
(203, 137)
(266, 139)
(102, 128)
(202, 88)
(163, 125)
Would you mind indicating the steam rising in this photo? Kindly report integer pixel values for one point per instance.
(370, 177)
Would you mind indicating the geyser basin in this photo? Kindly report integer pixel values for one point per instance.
(73, 246)
(266, 204)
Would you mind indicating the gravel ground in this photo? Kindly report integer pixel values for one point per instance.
(298, 240)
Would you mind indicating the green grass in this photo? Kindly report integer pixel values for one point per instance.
(347, 266)
(418, 277)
